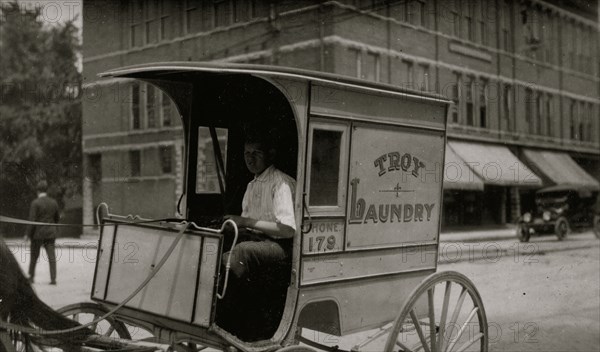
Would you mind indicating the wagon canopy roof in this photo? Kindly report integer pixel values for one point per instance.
(155, 70)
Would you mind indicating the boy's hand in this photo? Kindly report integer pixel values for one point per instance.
(239, 221)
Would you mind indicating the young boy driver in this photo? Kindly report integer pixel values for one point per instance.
(260, 262)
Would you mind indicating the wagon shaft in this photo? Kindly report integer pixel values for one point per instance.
(95, 342)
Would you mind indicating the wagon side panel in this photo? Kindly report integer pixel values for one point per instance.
(362, 304)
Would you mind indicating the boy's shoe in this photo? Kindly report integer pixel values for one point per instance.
(53, 283)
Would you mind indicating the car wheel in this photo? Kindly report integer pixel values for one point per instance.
(561, 228)
(523, 233)
(596, 227)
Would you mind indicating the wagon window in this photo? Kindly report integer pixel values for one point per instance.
(207, 180)
(327, 166)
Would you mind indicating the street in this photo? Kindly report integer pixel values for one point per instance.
(539, 296)
(540, 302)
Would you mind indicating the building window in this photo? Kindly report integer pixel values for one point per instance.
(358, 60)
(582, 123)
(411, 12)
(589, 122)
(164, 28)
(483, 105)
(259, 8)
(150, 106)
(135, 163)
(150, 22)
(469, 20)
(506, 26)
(529, 110)
(470, 105)
(166, 110)
(94, 171)
(456, 20)
(240, 10)
(539, 113)
(456, 98)
(223, 15)
(422, 6)
(424, 69)
(483, 32)
(372, 67)
(549, 117)
(483, 17)
(166, 159)
(410, 81)
(548, 41)
(136, 37)
(586, 39)
(573, 28)
(537, 39)
(572, 128)
(591, 42)
(580, 44)
(507, 107)
(135, 106)
(192, 17)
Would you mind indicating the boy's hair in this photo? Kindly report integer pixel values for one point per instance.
(42, 186)
(263, 137)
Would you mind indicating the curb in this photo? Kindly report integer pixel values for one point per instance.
(529, 257)
(448, 238)
(75, 243)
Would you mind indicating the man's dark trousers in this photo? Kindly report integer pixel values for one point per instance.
(35, 248)
(43, 209)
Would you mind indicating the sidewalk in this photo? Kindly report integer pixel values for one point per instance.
(463, 235)
(479, 235)
(85, 241)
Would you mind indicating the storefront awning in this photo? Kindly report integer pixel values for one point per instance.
(458, 175)
(495, 164)
(559, 168)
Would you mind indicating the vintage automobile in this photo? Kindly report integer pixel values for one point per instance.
(561, 209)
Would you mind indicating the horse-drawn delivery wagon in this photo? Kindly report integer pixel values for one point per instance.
(368, 163)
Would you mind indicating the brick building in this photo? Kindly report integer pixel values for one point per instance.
(524, 76)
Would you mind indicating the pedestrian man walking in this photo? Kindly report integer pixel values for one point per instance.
(43, 209)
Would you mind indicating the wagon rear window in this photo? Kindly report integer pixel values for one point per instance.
(325, 167)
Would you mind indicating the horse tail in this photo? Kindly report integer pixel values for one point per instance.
(22, 306)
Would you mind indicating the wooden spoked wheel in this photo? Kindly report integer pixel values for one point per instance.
(11, 341)
(561, 228)
(87, 312)
(443, 314)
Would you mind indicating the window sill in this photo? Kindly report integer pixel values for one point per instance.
(467, 49)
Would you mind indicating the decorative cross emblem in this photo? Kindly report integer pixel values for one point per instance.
(396, 190)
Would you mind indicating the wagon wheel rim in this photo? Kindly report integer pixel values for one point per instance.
(453, 319)
(86, 312)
